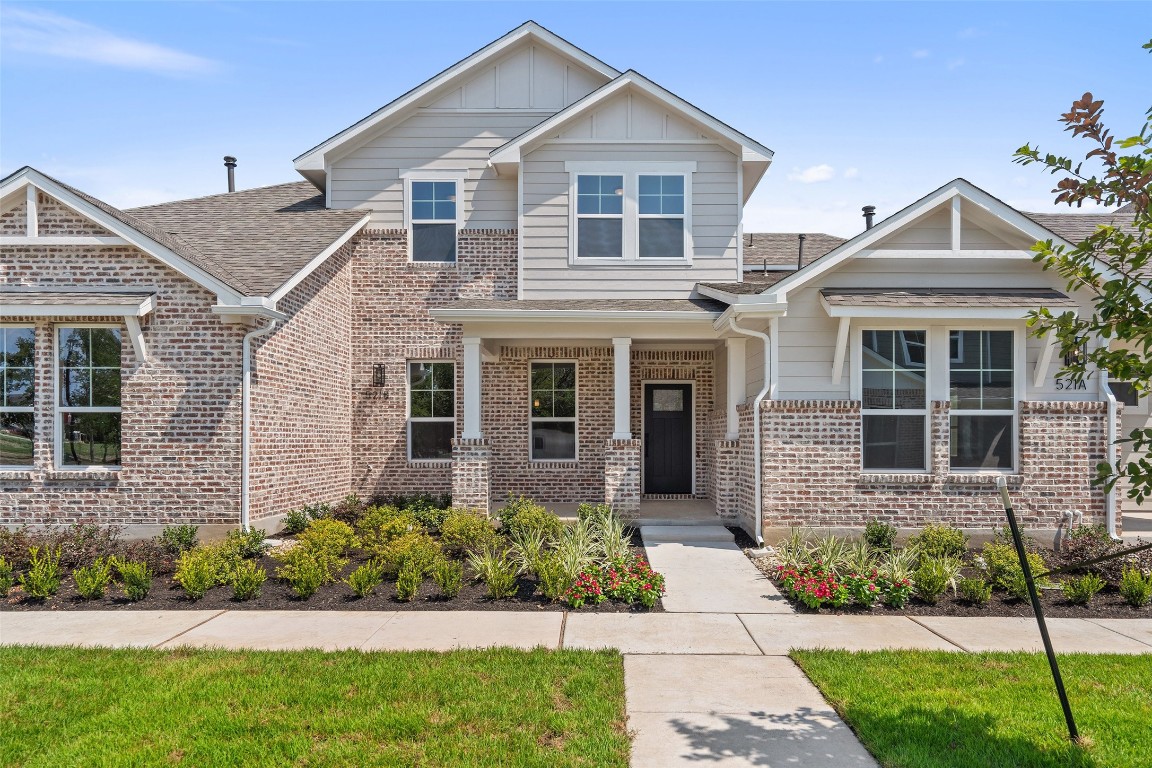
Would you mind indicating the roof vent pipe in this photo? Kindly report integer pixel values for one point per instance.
(230, 164)
(800, 251)
(869, 212)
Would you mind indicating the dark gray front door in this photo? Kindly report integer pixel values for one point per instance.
(668, 438)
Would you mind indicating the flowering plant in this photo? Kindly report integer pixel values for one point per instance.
(586, 589)
(894, 592)
(633, 581)
(862, 589)
(813, 586)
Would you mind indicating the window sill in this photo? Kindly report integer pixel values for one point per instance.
(431, 264)
(895, 478)
(13, 473)
(554, 463)
(82, 474)
(622, 262)
(429, 462)
(981, 478)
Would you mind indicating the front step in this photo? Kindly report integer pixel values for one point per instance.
(679, 534)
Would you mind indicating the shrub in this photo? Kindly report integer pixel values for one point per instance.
(347, 511)
(523, 514)
(326, 541)
(304, 571)
(427, 511)
(495, 568)
(408, 581)
(585, 589)
(934, 576)
(894, 592)
(247, 544)
(364, 580)
(295, 521)
(43, 577)
(178, 538)
(7, 576)
(594, 513)
(814, 587)
(937, 540)
(879, 536)
(135, 578)
(527, 549)
(463, 531)
(93, 580)
(1135, 587)
(418, 548)
(14, 546)
(247, 579)
(198, 570)
(82, 543)
(449, 576)
(1081, 589)
(554, 580)
(976, 591)
(577, 547)
(1002, 566)
(828, 553)
(411, 501)
(633, 581)
(613, 542)
(859, 558)
(381, 525)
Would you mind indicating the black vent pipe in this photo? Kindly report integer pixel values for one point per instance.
(230, 164)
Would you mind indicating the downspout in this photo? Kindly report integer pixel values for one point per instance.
(756, 436)
(1110, 494)
(246, 419)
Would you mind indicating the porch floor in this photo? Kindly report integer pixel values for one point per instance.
(654, 512)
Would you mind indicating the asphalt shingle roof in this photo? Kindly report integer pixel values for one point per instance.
(946, 297)
(782, 248)
(1074, 227)
(48, 298)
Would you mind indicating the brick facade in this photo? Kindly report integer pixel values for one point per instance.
(471, 474)
(622, 462)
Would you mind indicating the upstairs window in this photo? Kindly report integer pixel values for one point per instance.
(661, 212)
(88, 406)
(17, 380)
(432, 220)
(600, 217)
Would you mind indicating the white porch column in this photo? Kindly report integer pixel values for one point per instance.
(622, 370)
(471, 386)
(737, 382)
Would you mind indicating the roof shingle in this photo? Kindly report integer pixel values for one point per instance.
(946, 297)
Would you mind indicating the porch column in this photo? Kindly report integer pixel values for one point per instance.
(622, 370)
(471, 386)
(737, 383)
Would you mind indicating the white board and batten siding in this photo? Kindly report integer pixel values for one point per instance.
(455, 129)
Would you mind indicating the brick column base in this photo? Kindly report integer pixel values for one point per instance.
(471, 462)
(622, 477)
(726, 473)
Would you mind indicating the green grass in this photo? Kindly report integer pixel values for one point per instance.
(948, 710)
(101, 707)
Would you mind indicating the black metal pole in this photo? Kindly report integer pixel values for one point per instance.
(1002, 486)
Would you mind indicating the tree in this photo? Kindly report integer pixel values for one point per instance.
(1114, 264)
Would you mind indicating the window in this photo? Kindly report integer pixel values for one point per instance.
(431, 410)
(600, 217)
(88, 410)
(894, 399)
(661, 211)
(1125, 393)
(432, 220)
(981, 386)
(17, 421)
(553, 408)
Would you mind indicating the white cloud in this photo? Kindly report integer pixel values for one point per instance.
(851, 173)
(969, 32)
(878, 59)
(922, 53)
(955, 64)
(816, 173)
(49, 34)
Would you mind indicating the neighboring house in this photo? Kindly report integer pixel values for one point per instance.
(528, 276)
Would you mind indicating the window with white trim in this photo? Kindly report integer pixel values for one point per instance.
(17, 391)
(88, 396)
(660, 229)
(894, 400)
(553, 409)
(982, 389)
(600, 216)
(431, 410)
(432, 219)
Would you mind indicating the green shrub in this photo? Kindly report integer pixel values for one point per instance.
(937, 540)
(295, 521)
(198, 570)
(879, 535)
(43, 577)
(1002, 567)
(449, 576)
(860, 559)
(522, 514)
(1081, 589)
(428, 512)
(93, 580)
(7, 576)
(829, 553)
(577, 547)
(304, 571)
(408, 581)
(495, 568)
(178, 538)
(381, 525)
(419, 549)
(326, 541)
(364, 579)
(613, 541)
(1135, 587)
(976, 591)
(554, 579)
(247, 579)
(247, 544)
(934, 576)
(347, 511)
(527, 549)
(465, 531)
(135, 578)
(593, 513)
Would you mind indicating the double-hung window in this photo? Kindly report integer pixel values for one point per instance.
(894, 399)
(432, 219)
(982, 389)
(600, 217)
(553, 409)
(88, 403)
(17, 381)
(431, 410)
(660, 228)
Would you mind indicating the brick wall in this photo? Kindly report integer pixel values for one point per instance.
(14, 221)
(55, 218)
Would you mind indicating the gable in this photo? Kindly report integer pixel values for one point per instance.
(631, 116)
(979, 230)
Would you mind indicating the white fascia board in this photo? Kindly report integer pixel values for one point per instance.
(313, 159)
(311, 266)
(248, 310)
(760, 311)
(580, 315)
(930, 313)
(735, 299)
(128, 309)
(891, 253)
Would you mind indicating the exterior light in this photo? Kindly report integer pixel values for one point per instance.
(378, 375)
(619, 192)
(536, 403)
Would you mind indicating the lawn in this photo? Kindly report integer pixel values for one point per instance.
(102, 707)
(952, 710)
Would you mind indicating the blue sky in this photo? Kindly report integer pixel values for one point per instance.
(863, 103)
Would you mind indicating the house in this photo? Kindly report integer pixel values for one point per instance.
(528, 275)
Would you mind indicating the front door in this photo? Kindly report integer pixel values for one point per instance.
(668, 438)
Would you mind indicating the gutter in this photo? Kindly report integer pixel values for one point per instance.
(246, 418)
(756, 436)
(1110, 494)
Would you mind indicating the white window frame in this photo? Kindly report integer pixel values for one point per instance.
(575, 419)
(409, 419)
(631, 171)
(441, 175)
(1019, 392)
(24, 408)
(857, 393)
(58, 409)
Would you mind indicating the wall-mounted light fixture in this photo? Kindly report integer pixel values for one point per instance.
(378, 375)
(1076, 356)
